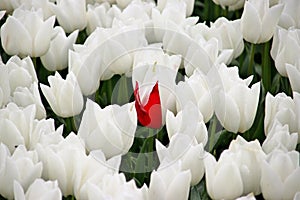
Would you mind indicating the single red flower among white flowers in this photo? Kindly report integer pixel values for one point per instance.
(149, 114)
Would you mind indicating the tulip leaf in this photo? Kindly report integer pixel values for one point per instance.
(198, 192)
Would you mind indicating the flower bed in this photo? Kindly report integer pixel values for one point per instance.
(149, 100)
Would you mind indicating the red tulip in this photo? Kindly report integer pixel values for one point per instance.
(149, 115)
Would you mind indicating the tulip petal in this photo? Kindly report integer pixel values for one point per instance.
(270, 183)
(12, 42)
(251, 24)
(179, 187)
(269, 22)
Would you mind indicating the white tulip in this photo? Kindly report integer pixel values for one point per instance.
(258, 21)
(188, 121)
(44, 133)
(101, 15)
(137, 12)
(70, 14)
(33, 4)
(282, 109)
(231, 4)
(26, 33)
(61, 160)
(217, 175)
(64, 96)
(279, 137)
(195, 89)
(248, 156)
(185, 149)
(228, 34)
(17, 122)
(289, 16)
(189, 5)
(26, 130)
(239, 101)
(21, 166)
(280, 175)
(21, 73)
(4, 85)
(170, 182)
(38, 190)
(86, 67)
(24, 97)
(171, 21)
(286, 44)
(204, 52)
(110, 129)
(114, 187)
(56, 58)
(93, 169)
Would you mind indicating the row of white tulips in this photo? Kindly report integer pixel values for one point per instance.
(149, 43)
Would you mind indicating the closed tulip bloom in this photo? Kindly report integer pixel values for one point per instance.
(26, 33)
(101, 15)
(279, 137)
(56, 58)
(170, 182)
(195, 89)
(110, 129)
(64, 96)
(188, 121)
(185, 149)
(258, 14)
(24, 97)
(87, 70)
(34, 4)
(18, 123)
(280, 175)
(217, 175)
(21, 72)
(189, 4)
(228, 34)
(38, 190)
(114, 186)
(248, 156)
(290, 16)
(286, 44)
(239, 101)
(282, 109)
(21, 166)
(92, 171)
(70, 14)
(60, 161)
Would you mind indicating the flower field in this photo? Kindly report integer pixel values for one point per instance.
(149, 99)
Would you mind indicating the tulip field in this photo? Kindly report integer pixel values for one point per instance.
(149, 99)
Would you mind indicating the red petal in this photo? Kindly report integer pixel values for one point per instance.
(150, 114)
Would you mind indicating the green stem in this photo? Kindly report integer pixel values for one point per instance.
(34, 63)
(212, 133)
(109, 90)
(266, 67)
(251, 61)
(70, 125)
